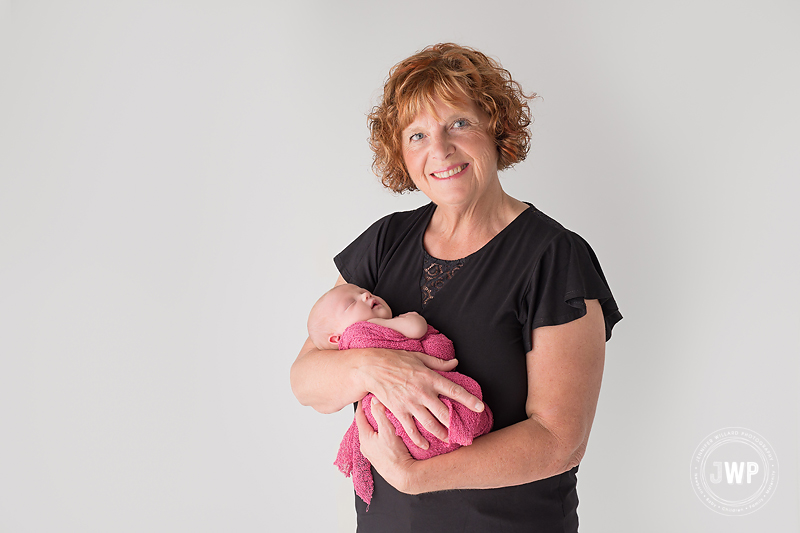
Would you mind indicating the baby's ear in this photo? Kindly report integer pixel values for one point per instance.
(334, 339)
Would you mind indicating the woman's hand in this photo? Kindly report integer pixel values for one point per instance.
(405, 382)
(383, 448)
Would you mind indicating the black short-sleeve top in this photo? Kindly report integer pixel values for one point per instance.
(533, 273)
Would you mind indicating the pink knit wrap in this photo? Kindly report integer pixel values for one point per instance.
(464, 423)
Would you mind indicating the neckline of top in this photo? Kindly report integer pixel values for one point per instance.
(530, 208)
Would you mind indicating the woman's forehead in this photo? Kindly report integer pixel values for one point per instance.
(425, 97)
(439, 110)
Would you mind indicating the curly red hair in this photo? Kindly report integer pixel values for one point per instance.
(449, 72)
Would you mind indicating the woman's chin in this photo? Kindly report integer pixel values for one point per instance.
(455, 196)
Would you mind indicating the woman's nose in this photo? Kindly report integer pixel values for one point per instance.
(441, 146)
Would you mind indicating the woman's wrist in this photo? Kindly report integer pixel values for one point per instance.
(371, 367)
(328, 380)
(362, 361)
(414, 478)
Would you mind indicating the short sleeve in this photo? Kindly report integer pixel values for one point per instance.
(567, 273)
(358, 263)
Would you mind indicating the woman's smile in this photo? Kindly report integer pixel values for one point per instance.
(451, 172)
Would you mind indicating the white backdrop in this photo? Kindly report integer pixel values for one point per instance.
(175, 178)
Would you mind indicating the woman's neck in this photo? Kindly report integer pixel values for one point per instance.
(455, 232)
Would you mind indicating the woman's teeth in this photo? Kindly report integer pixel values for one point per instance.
(451, 172)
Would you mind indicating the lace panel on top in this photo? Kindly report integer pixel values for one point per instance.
(435, 273)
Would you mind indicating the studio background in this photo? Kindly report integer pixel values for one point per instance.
(175, 178)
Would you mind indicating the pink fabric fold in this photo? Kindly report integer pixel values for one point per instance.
(465, 424)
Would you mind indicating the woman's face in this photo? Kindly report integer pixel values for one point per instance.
(449, 154)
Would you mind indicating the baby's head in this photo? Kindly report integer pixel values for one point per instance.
(339, 308)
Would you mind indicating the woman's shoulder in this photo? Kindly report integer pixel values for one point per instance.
(535, 216)
(362, 259)
(410, 217)
(537, 240)
(536, 227)
(394, 225)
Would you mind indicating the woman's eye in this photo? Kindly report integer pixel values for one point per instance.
(415, 137)
(460, 123)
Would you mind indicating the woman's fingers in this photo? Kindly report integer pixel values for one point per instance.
(436, 425)
(365, 431)
(434, 363)
(433, 415)
(447, 388)
(406, 383)
(410, 427)
(386, 431)
(411, 416)
(379, 414)
(424, 418)
(384, 449)
(456, 392)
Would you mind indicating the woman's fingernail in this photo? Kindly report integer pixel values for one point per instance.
(479, 406)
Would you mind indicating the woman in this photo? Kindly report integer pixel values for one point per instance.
(524, 301)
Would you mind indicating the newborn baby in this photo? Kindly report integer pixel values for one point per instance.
(347, 304)
(348, 316)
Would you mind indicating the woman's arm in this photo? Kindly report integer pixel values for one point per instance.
(565, 369)
(405, 382)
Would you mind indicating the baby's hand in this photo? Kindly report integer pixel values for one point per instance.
(411, 324)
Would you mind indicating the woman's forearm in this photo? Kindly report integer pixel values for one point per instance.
(515, 455)
(327, 380)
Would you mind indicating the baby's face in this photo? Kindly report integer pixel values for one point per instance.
(351, 304)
